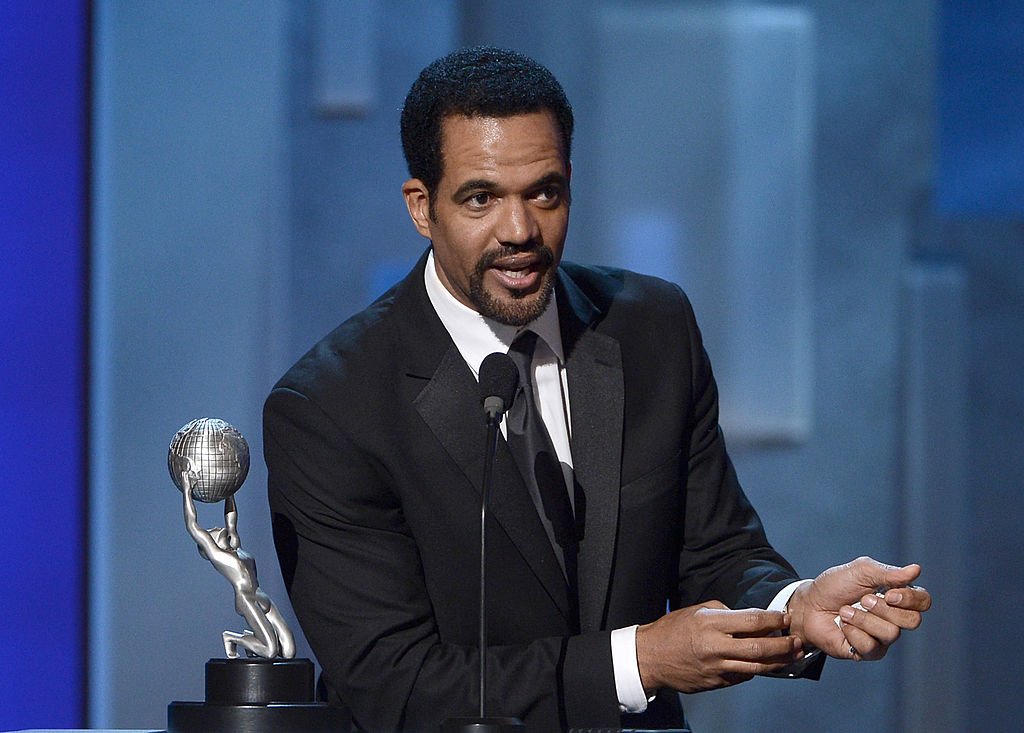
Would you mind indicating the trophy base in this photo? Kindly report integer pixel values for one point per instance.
(483, 725)
(256, 696)
(201, 717)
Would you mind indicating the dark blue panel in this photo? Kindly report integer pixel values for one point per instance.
(981, 108)
(43, 117)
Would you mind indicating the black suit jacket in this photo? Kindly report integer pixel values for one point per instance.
(374, 443)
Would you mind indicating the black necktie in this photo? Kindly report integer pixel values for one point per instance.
(531, 447)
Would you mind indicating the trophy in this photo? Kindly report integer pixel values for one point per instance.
(264, 689)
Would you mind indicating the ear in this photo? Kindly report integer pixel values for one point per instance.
(417, 201)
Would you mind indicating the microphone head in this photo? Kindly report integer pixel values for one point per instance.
(499, 380)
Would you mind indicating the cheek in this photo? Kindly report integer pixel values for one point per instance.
(460, 249)
(554, 233)
(469, 241)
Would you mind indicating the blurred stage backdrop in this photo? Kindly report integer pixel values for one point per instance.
(194, 192)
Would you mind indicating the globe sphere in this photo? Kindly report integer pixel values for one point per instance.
(213, 454)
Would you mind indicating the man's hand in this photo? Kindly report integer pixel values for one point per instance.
(865, 633)
(708, 646)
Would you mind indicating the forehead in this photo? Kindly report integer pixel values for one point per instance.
(478, 146)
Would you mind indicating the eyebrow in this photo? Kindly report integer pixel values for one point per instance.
(553, 177)
(476, 184)
(483, 184)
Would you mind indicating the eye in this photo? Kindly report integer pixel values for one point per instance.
(479, 200)
(549, 194)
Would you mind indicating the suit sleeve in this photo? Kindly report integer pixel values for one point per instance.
(353, 571)
(725, 553)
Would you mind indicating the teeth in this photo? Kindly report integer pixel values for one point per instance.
(514, 274)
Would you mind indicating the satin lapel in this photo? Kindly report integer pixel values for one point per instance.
(449, 402)
(593, 362)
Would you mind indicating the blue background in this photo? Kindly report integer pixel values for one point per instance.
(43, 207)
(971, 212)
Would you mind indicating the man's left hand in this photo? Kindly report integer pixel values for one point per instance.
(863, 633)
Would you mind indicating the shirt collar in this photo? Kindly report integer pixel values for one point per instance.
(475, 335)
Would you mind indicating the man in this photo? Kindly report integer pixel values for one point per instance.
(374, 442)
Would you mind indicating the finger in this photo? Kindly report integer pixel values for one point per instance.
(763, 650)
(873, 574)
(897, 577)
(762, 632)
(862, 645)
(904, 618)
(735, 678)
(746, 670)
(885, 631)
(836, 644)
(910, 597)
(749, 621)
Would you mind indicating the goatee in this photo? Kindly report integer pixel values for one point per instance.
(524, 306)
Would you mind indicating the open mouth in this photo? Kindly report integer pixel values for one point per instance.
(515, 274)
(518, 275)
(520, 271)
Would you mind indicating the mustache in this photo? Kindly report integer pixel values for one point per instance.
(544, 255)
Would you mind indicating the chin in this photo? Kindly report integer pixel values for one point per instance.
(515, 310)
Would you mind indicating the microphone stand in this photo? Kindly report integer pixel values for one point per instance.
(494, 408)
(493, 421)
(488, 468)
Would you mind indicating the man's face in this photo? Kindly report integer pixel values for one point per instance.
(500, 214)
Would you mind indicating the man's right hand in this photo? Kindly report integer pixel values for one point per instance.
(709, 646)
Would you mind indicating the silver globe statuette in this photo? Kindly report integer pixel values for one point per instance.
(208, 460)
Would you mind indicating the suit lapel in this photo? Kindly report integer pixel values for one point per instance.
(449, 403)
(593, 362)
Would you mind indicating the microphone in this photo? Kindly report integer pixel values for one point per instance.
(499, 379)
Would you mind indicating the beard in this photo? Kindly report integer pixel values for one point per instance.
(523, 306)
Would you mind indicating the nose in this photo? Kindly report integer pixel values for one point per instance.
(517, 226)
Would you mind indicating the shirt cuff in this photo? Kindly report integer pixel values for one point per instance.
(781, 599)
(796, 669)
(632, 698)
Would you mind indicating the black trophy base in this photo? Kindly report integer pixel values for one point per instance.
(257, 696)
(296, 717)
(483, 725)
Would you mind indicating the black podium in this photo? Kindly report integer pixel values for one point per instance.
(257, 696)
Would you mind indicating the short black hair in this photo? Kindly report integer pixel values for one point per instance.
(482, 81)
